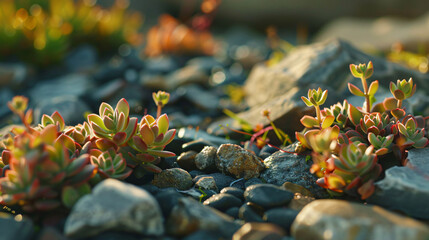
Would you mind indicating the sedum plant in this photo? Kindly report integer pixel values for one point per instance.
(52, 165)
(348, 156)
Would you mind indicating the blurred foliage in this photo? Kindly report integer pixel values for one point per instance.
(418, 61)
(42, 31)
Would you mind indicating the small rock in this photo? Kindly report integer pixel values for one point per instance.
(168, 162)
(223, 201)
(259, 231)
(195, 173)
(236, 192)
(206, 159)
(233, 212)
(268, 195)
(204, 100)
(160, 65)
(282, 217)
(285, 167)
(15, 227)
(233, 159)
(71, 108)
(206, 183)
(81, 58)
(248, 214)
(186, 160)
(173, 177)
(299, 201)
(114, 205)
(189, 216)
(405, 190)
(295, 188)
(252, 181)
(167, 199)
(337, 219)
(418, 160)
(221, 180)
(187, 75)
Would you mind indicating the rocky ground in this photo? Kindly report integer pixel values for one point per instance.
(214, 188)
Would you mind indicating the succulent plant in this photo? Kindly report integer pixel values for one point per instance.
(355, 166)
(316, 98)
(55, 119)
(364, 72)
(151, 139)
(110, 164)
(374, 122)
(339, 111)
(382, 144)
(411, 135)
(160, 98)
(114, 124)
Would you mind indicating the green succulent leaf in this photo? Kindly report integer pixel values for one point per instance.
(327, 121)
(373, 88)
(123, 107)
(355, 90)
(309, 122)
(354, 115)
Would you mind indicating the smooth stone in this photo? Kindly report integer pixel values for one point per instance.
(282, 217)
(339, 219)
(14, 75)
(167, 199)
(236, 192)
(221, 180)
(267, 151)
(15, 227)
(114, 205)
(405, 190)
(252, 181)
(81, 58)
(233, 212)
(168, 162)
(160, 65)
(173, 177)
(284, 167)
(206, 159)
(259, 231)
(268, 195)
(223, 201)
(236, 161)
(186, 160)
(299, 201)
(189, 74)
(248, 214)
(206, 183)
(295, 188)
(196, 145)
(189, 216)
(71, 108)
(202, 99)
(203, 234)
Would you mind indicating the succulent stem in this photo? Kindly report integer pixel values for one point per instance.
(319, 116)
(365, 90)
(399, 104)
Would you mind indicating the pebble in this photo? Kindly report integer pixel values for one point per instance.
(223, 201)
(268, 195)
(173, 177)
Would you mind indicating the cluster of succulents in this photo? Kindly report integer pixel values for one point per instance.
(42, 31)
(52, 165)
(350, 144)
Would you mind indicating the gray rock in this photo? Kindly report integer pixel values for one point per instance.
(236, 192)
(223, 201)
(285, 167)
(167, 199)
(282, 217)
(377, 34)
(173, 177)
(418, 160)
(160, 65)
(252, 181)
(249, 214)
(337, 219)
(234, 160)
(114, 205)
(206, 183)
(233, 212)
(15, 227)
(189, 74)
(186, 160)
(257, 231)
(202, 99)
(268, 195)
(189, 216)
(221, 180)
(71, 108)
(206, 159)
(81, 58)
(324, 65)
(403, 189)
